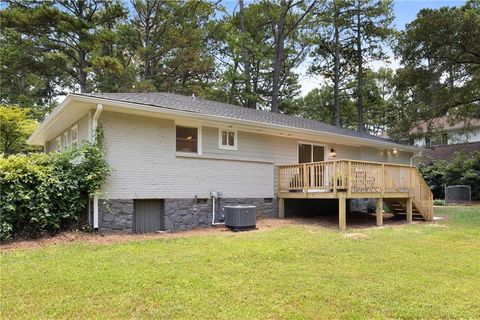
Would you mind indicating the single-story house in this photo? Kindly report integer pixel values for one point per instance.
(176, 160)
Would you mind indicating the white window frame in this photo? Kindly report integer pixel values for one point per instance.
(235, 139)
(58, 144)
(65, 141)
(199, 137)
(74, 128)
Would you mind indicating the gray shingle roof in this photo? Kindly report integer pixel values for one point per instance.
(212, 108)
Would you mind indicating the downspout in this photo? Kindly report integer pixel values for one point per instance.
(93, 138)
(214, 196)
(95, 121)
(418, 154)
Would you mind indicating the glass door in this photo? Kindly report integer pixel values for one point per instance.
(310, 153)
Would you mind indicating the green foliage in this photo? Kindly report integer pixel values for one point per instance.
(441, 74)
(15, 128)
(438, 202)
(47, 192)
(462, 170)
(259, 40)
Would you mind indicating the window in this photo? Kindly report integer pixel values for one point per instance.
(227, 139)
(58, 144)
(427, 142)
(187, 139)
(445, 138)
(65, 140)
(74, 135)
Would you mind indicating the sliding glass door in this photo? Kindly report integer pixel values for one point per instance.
(310, 153)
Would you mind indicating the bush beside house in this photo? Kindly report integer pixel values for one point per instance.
(45, 193)
(461, 170)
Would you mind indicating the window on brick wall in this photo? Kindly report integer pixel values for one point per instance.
(187, 139)
(227, 139)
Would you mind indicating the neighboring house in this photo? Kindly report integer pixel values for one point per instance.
(445, 133)
(168, 153)
(444, 139)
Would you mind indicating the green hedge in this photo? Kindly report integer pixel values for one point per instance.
(45, 193)
(461, 170)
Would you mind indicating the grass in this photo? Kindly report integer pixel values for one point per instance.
(409, 272)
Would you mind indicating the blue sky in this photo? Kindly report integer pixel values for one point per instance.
(406, 10)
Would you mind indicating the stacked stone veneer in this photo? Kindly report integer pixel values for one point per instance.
(115, 215)
(180, 214)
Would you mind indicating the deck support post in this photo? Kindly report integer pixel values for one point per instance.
(409, 210)
(379, 212)
(342, 214)
(281, 208)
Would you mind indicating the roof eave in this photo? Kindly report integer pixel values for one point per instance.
(49, 121)
(156, 109)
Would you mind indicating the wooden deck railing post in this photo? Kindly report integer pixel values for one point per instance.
(334, 178)
(305, 178)
(383, 180)
(349, 179)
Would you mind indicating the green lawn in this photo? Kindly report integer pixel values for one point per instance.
(409, 271)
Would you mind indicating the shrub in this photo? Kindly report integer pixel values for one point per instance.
(43, 193)
(438, 202)
(461, 170)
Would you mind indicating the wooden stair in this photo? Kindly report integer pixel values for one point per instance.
(399, 207)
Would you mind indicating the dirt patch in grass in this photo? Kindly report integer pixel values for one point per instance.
(355, 221)
(356, 235)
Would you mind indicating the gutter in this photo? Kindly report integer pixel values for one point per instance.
(93, 136)
(97, 114)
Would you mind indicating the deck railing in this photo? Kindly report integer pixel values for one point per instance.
(357, 178)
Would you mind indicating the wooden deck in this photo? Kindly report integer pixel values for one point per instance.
(400, 186)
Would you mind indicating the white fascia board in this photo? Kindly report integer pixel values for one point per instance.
(49, 121)
(173, 113)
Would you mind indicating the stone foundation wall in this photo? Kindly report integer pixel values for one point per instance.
(115, 215)
(180, 214)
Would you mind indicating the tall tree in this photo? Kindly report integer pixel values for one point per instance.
(285, 22)
(318, 105)
(259, 23)
(371, 24)
(332, 53)
(440, 52)
(172, 43)
(69, 28)
(29, 77)
(250, 103)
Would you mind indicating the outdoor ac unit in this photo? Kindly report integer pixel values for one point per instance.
(239, 218)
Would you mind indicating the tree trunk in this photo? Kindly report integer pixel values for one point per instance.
(147, 64)
(277, 65)
(82, 74)
(360, 124)
(336, 72)
(246, 60)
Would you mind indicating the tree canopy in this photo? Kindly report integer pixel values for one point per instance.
(250, 53)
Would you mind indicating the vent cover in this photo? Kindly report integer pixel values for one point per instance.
(238, 218)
